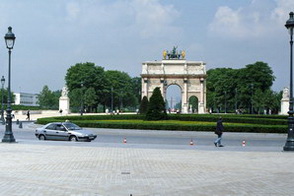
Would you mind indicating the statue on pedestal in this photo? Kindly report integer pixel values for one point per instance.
(64, 101)
(285, 101)
(64, 92)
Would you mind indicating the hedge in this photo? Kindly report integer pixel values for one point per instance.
(251, 119)
(165, 125)
(232, 119)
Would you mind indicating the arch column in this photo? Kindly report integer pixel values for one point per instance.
(201, 109)
(162, 88)
(145, 88)
(185, 97)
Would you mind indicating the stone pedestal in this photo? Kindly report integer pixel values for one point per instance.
(284, 106)
(64, 102)
(285, 102)
(64, 105)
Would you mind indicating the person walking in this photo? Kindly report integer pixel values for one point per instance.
(28, 115)
(219, 132)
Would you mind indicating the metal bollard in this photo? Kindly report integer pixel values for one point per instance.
(17, 121)
(20, 125)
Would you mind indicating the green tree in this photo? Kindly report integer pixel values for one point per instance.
(5, 96)
(75, 99)
(48, 99)
(123, 92)
(144, 105)
(221, 87)
(156, 107)
(136, 88)
(90, 99)
(235, 88)
(268, 100)
(193, 101)
(84, 76)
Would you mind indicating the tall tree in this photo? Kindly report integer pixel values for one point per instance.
(75, 96)
(48, 99)
(137, 86)
(235, 88)
(144, 105)
(85, 76)
(90, 99)
(120, 89)
(156, 107)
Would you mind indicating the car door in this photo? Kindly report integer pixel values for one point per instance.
(61, 132)
(50, 131)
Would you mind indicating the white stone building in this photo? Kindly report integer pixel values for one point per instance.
(27, 99)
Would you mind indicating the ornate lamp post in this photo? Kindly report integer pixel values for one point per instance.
(8, 136)
(111, 99)
(252, 85)
(289, 146)
(2, 110)
(225, 102)
(236, 101)
(82, 99)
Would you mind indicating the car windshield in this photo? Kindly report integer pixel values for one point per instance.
(71, 126)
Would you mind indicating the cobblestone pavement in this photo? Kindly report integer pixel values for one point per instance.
(32, 167)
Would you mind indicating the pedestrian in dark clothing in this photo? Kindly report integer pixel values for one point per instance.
(28, 115)
(219, 132)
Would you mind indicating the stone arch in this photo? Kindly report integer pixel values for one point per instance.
(190, 76)
(193, 104)
(173, 87)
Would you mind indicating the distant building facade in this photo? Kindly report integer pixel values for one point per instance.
(27, 99)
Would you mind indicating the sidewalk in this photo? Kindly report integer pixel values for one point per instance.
(32, 167)
(51, 113)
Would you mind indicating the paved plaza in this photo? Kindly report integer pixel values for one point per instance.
(31, 167)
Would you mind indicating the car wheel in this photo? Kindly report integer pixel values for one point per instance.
(73, 139)
(42, 137)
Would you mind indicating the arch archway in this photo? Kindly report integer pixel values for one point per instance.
(174, 98)
(193, 104)
(190, 76)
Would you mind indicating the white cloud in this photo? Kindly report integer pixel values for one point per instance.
(148, 18)
(153, 18)
(281, 12)
(257, 19)
(227, 22)
(72, 10)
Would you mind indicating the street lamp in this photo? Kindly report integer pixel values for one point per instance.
(225, 102)
(252, 85)
(111, 99)
(82, 100)
(289, 146)
(236, 101)
(8, 136)
(2, 92)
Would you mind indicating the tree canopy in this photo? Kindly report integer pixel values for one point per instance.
(92, 85)
(246, 88)
(48, 99)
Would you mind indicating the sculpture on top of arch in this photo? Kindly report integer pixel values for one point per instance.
(174, 54)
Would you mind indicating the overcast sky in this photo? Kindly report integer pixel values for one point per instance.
(52, 35)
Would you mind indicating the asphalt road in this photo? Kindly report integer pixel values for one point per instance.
(162, 139)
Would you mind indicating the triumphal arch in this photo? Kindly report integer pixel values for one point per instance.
(174, 69)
